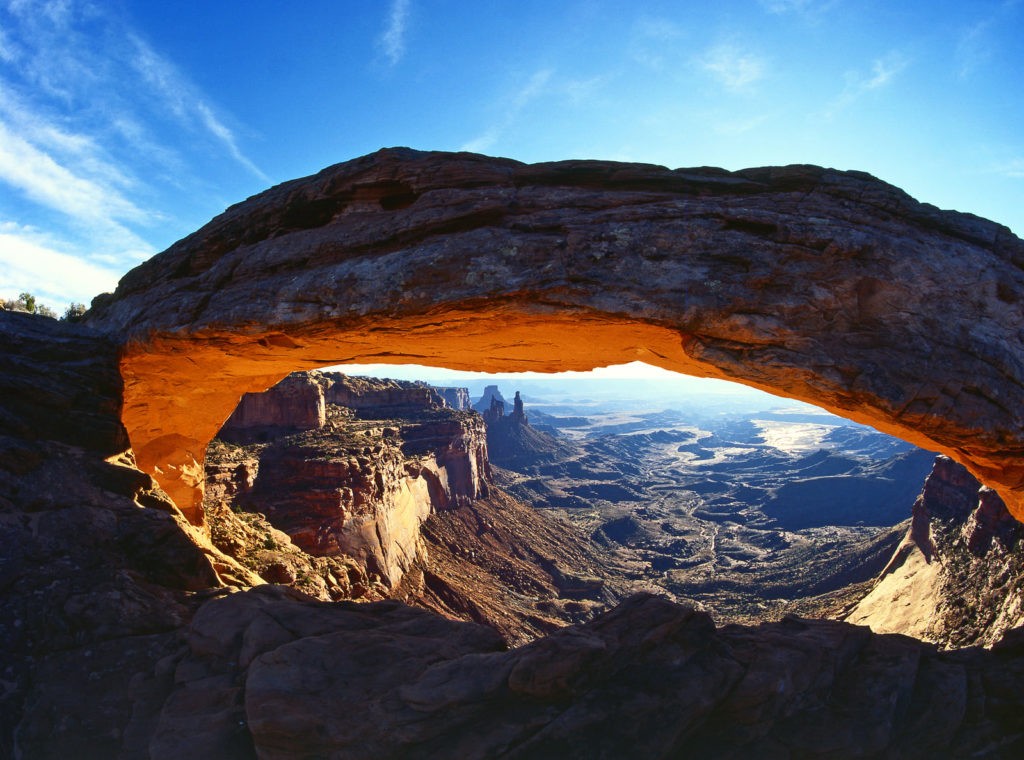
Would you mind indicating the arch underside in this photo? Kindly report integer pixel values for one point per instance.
(823, 286)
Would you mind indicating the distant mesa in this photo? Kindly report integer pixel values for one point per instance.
(490, 394)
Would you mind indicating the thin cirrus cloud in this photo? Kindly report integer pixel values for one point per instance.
(511, 109)
(83, 145)
(1014, 168)
(57, 278)
(392, 40)
(883, 72)
(182, 99)
(732, 67)
(92, 203)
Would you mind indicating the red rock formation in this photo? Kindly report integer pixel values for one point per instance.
(825, 286)
(379, 395)
(116, 639)
(356, 489)
(295, 403)
(650, 679)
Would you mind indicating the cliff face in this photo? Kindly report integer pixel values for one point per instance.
(385, 456)
(391, 498)
(958, 577)
(297, 403)
(378, 395)
(457, 398)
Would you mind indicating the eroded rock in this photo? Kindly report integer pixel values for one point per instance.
(826, 286)
(957, 579)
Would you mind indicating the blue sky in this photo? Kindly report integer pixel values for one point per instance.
(125, 125)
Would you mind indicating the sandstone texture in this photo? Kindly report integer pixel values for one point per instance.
(827, 286)
(297, 403)
(99, 571)
(957, 579)
(362, 476)
(295, 678)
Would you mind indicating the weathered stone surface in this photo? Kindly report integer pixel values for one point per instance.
(821, 285)
(378, 395)
(99, 571)
(957, 579)
(113, 643)
(650, 679)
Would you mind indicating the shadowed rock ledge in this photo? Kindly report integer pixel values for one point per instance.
(827, 286)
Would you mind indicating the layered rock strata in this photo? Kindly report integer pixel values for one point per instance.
(957, 578)
(297, 403)
(394, 500)
(348, 487)
(99, 571)
(826, 286)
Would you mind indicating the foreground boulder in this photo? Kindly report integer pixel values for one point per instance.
(295, 678)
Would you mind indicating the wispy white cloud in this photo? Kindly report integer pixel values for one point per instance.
(182, 99)
(29, 262)
(97, 207)
(1013, 168)
(87, 108)
(733, 67)
(653, 41)
(808, 9)
(8, 50)
(979, 43)
(974, 48)
(883, 71)
(511, 108)
(227, 137)
(392, 40)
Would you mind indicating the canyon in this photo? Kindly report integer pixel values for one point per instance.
(387, 493)
(138, 619)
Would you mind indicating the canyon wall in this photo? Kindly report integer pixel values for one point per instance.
(359, 480)
(297, 403)
(957, 579)
(827, 286)
(456, 398)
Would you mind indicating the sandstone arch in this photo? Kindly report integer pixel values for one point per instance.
(826, 286)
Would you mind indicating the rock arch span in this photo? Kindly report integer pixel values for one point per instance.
(826, 286)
